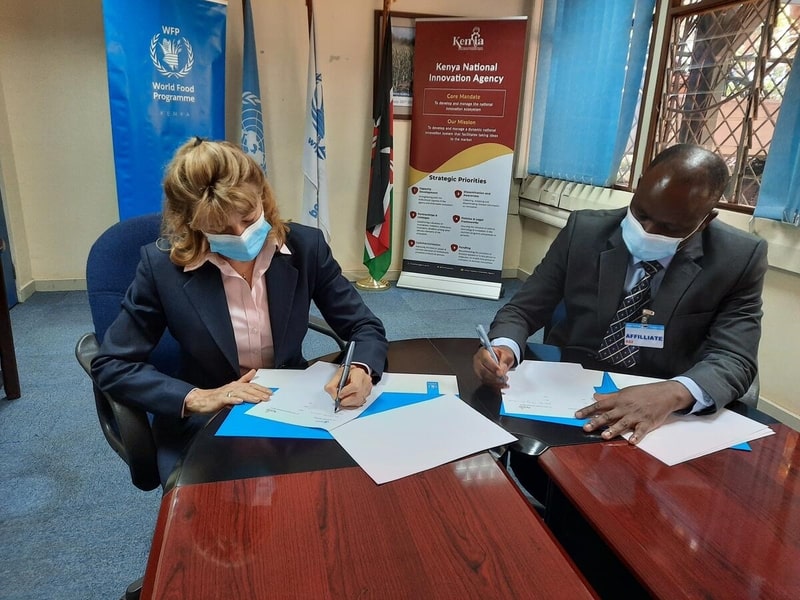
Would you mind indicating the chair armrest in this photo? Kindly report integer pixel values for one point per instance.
(126, 429)
(85, 350)
(319, 325)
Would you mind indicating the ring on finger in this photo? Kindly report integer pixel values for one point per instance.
(228, 395)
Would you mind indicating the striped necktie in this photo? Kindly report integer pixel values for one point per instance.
(613, 348)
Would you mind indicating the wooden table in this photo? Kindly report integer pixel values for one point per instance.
(212, 458)
(288, 518)
(726, 525)
(458, 531)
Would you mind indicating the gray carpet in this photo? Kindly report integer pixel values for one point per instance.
(71, 523)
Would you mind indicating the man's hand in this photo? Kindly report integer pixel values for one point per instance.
(357, 389)
(236, 392)
(488, 371)
(639, 408)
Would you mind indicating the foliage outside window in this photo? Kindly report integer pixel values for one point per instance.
(722, 78)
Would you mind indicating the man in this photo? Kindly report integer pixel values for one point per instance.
(673, 264)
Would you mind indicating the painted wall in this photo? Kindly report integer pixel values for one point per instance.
(56, 160)
(56, 164)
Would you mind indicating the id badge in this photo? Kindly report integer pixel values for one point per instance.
(644, 336)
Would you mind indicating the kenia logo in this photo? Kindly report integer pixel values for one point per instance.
(473, 42)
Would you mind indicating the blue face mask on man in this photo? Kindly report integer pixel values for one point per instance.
(649, 246)
(243, 247)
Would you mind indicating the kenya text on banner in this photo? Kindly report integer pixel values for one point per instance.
(467, 79)
(166, 83)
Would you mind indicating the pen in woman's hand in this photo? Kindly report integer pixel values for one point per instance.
(346, 364)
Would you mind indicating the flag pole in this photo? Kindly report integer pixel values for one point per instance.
(252, 122)
(315, 210)
(369, 283)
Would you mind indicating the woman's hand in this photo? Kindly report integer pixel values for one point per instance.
(357, 389)
(242, 390)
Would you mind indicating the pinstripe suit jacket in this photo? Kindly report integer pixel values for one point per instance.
(709, 301)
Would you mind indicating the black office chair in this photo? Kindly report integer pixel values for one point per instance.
(110, 269)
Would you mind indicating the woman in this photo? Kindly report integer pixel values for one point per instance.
(233, 284)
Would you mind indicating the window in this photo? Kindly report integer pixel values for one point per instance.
(721, 81)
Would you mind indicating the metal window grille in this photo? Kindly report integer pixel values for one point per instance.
(724, 76)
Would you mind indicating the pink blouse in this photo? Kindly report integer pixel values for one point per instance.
(248, 308)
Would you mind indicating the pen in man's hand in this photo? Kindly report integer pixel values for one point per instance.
(346, 364)
(486, 343)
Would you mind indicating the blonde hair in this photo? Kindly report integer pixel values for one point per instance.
(205, 183)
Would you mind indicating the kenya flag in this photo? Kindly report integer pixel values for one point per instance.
(378, 242)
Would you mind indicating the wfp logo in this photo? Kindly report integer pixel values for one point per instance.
(318, 120)
(473, 42)
(172, 56)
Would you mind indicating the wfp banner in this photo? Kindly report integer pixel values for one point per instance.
(467, 78)
(166, 83)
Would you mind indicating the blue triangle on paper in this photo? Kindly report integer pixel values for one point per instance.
(391, 400)
(239, 424)
(607, 386)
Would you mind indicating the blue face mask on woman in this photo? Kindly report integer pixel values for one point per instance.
(243, 247)
(649, 246)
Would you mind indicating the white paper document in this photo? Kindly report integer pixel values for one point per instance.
(315, 376)
(300, 398)
(549, 389)
(623, 380)
(684, 437)
(410, 439)
(416, 383)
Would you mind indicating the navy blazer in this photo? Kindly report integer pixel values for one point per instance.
(709, 301)
(192, 305)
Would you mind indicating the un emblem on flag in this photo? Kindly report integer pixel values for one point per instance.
(175, 53)
(253, 129)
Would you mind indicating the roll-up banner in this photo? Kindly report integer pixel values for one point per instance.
(467, 81)
(166, 83)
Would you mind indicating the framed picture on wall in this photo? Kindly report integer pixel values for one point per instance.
(403, 30)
